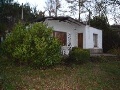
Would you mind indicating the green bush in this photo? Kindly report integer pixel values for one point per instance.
(79, 55)
(32, 45)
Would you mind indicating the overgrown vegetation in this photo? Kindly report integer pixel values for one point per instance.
(115, 51)
(33, 45)
(91, 75)
(78, 55)
(10, 14)
(111, 40)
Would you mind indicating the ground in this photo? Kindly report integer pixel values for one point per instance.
(98, 74)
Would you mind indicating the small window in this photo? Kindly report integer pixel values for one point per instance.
(1, 39)
(62, 37)
(95, 40)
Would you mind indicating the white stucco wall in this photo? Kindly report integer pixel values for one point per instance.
(89, 38)
(74, 29)
(64, 27)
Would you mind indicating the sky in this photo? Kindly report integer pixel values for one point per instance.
(39, 3)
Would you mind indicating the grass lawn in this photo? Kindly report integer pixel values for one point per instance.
(88, 76)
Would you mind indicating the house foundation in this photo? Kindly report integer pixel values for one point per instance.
(95, 51)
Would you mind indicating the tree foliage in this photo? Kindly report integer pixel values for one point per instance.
(110, 38)
(10, 13)
(91, 8)
(32, 45)
(53, 6)
(76, 6)
(100, 22)
(79, 55)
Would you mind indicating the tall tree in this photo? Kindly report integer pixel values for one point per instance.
(3, 13)
(10, 13)
(76, 6)
(115, 10)
(53, 6)
(110, 38)
(5, 1)
(114, 2)
(29, 14)
(108, 8)
(101, 7)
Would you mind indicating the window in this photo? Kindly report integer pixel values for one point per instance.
(95, 40)
(61, 36)
(1, 39)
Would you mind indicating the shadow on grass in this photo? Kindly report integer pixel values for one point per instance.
(100, 74)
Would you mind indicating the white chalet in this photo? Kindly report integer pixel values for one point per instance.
(73, 33)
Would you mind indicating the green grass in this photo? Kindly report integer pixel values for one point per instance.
(88, 76)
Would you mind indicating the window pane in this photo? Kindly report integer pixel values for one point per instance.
(62, 37)
(95, 39)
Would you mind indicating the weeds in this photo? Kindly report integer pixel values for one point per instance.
(89, 76)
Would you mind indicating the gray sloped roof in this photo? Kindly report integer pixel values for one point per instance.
(61, 18)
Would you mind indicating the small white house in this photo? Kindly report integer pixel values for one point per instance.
(73, 33)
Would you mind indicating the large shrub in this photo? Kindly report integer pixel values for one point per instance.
(79, 55)
(32, 45)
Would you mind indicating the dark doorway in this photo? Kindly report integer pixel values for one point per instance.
(80, 40)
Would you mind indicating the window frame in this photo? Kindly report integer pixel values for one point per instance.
(95, 40)
(62, 37)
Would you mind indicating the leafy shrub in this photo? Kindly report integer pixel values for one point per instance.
(79, 55)
(33, 45)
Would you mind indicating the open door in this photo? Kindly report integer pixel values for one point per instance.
(80, 40)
